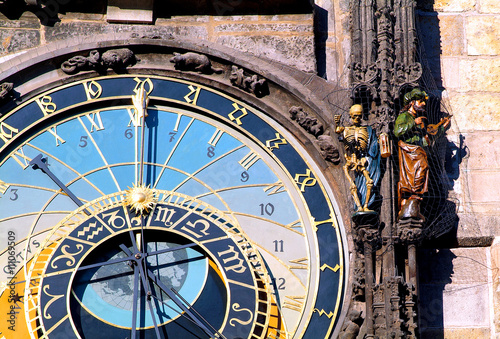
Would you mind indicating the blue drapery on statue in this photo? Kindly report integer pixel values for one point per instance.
(372, 165)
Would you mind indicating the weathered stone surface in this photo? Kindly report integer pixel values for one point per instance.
(495, 275)
(296, 28)
(456, 333)
(484, 150)
(27, 20)
(482, 35)
(183, 19)
(466, 305)
(13, 40)
(454, 5)
(264, 18)
(489, 6)
(480, 74)
(449, 72)
(485, 188)
(68, 30)
(454, 288)
(295, 50)
(475, 223)
(476, 111)
(451, 28)
(453, 266)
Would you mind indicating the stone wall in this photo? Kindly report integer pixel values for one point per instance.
(460, 296)
(288, 39)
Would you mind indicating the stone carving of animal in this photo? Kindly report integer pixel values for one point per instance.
(194, 62)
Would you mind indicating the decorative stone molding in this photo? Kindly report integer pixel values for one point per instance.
(117, 59)
(370, 236)
(410, 311)
(359, 284)
(194, 62)
(250, 83)
(410, 231)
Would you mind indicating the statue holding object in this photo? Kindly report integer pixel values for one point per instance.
(413, 135)
(362, 158)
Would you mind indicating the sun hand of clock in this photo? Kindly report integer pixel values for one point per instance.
(140, 101)
(39, 162)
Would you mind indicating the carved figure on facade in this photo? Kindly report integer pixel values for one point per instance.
(250, 83)
(309, 123)
(325, 142)
(414, 135)
(352, 325)
(362, 157)
(117, 59)
(358, 285)
(194, 62)
(328, 150)
(5, 89)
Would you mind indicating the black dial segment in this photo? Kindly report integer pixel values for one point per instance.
(102, 296)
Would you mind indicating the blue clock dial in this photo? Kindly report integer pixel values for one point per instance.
(193, 145)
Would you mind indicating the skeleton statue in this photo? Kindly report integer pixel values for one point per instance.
(362, 157)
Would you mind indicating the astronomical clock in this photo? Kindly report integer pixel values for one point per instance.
(147, 206)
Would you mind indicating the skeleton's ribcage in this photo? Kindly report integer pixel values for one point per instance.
(356, 138)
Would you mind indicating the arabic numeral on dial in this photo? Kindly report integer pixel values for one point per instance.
(128, 133)
(278, 245)
(172, 136)
(245, 176)
(14, 194)
(279, 283)
(210, 152)
(266, 209)
(83, 141)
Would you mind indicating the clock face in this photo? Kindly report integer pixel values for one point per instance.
(204, 218)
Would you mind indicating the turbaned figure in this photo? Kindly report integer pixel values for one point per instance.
(413, 134)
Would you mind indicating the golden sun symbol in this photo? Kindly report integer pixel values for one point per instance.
(140, 198)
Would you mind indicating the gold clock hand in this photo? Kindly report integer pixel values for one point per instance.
(134, 301)
(138, 258)
(41, 163)
(145, 272)
(140, 101)
(182, 306)
(197, 313)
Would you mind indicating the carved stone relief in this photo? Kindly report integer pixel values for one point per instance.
(116, 59)
(324, 141)
(250, 83)
(5, 89)
(194, 62)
